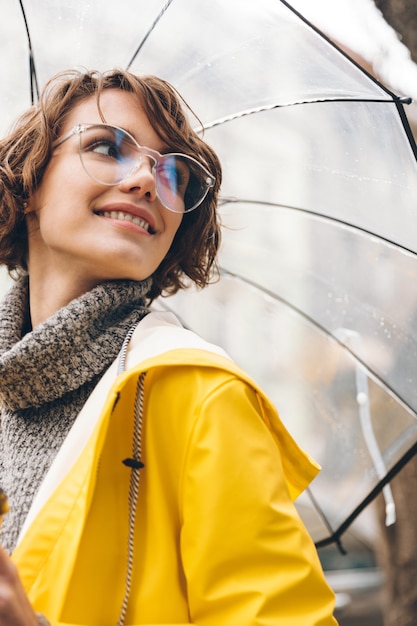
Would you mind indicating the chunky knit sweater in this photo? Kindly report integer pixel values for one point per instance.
(47, 374)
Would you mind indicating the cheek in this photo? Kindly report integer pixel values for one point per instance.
(173, 230)
(174, 224)
(64, 179)
(177, 233)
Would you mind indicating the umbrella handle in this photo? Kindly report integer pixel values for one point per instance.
(351, 337)
(362, 399)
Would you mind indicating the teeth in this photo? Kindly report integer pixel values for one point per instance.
(120, 215)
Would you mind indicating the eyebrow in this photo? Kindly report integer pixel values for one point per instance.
(165, 150)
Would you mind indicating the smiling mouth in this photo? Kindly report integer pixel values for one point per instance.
(127, 217)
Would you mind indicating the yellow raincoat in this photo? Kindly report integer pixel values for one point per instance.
(217, 539)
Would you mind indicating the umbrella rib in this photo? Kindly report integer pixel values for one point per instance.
(151, 28)
(338, 48)
(32, 69)
(326, 522)
(325, 100)
(275, 297)
(335, 537)
(233, 200)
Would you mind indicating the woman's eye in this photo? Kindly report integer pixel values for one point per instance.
(104, 147)
(174, 173)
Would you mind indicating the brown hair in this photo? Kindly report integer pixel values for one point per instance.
(25, 153)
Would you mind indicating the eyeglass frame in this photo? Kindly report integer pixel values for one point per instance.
(78, 129)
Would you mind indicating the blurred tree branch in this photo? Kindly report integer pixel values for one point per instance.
(402, 16)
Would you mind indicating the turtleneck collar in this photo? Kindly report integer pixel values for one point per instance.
(67, 349)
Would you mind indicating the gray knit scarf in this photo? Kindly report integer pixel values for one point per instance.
(47, 374)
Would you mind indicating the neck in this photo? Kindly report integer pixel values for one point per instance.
(54, 279)
(48, 295)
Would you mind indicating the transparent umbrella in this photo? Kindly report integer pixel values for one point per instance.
(316, 298)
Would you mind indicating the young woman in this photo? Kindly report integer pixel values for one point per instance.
(149, 479)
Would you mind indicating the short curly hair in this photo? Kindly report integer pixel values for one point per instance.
(25, 153)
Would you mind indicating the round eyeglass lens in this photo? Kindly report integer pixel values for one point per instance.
(109, 154)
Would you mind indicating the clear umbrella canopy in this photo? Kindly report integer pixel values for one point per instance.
(318, 260)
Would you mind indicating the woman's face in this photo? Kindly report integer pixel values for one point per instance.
(91, 232)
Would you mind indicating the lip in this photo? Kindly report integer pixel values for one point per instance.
(132, 209)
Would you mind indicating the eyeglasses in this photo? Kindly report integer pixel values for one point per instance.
(110, 154)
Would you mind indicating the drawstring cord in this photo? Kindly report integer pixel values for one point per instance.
(121, 364)
(135, 464)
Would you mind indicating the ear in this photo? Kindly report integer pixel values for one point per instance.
(28, 206)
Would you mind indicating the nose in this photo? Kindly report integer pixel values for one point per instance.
(140, 179)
